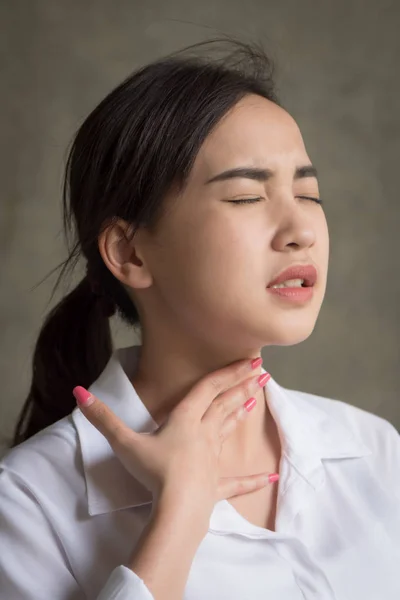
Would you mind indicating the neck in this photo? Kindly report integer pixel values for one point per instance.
(166, 373)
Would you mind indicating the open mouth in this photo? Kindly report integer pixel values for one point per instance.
(296, 276)
(293, 283)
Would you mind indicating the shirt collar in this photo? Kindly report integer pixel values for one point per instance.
(308, 434)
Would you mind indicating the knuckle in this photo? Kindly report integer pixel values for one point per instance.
(215, 383)
(247, 484)
(247, 390)
(220, 408)
(253, 483)
(241, 485)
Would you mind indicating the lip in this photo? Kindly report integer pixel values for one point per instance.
(296, 295)
(306, 272)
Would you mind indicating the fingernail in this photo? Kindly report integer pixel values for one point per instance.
(250, 404)
(263, 379)
(82, 396)
(274, 477)
(256, 362)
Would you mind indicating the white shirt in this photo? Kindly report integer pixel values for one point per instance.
(70, 514)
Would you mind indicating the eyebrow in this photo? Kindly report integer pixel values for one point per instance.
(261, 174)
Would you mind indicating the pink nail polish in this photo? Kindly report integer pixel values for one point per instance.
(250, 404)
(82, 396)
(274, 477)
(263, 379)
(256, 362)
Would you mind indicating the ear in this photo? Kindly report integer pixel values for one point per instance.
(123, 254)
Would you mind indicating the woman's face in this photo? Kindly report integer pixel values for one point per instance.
(211, 260)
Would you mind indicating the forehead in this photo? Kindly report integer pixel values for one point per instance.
(254, 132)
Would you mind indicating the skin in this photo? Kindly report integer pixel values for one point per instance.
(199, 281)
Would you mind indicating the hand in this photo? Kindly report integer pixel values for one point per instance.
(180, 460)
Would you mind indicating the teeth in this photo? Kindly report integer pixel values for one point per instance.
(290, 283)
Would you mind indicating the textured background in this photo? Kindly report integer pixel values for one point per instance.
(338, 75)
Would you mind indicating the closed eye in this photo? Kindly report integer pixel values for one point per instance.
(252, 200)
(317, 200)
(246, 200)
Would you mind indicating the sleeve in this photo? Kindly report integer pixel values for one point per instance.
(33, 564)
(389, 457)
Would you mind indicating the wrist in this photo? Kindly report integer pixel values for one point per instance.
(172, 509)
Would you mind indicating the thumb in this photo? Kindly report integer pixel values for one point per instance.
(237, 486)
(102, 417)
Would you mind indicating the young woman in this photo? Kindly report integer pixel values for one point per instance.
(196, 209)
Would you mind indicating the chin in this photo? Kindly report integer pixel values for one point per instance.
(289, 330)
(291, 338)
(287, 326)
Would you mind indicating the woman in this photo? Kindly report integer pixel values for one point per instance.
(196, 208)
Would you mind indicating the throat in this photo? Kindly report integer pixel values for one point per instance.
(255, 445)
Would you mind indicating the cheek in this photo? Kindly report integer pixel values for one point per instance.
(206, 261)
(230, 251)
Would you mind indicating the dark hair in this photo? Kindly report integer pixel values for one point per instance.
(141, 140)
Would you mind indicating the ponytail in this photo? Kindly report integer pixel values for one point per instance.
(74, 346)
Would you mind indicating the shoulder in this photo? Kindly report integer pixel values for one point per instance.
(40, 499)
(47, 463)
(380, 438)
(374, 431)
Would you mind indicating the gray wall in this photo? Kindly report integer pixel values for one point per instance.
(338, 63)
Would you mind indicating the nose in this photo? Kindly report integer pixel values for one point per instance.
(295, 230)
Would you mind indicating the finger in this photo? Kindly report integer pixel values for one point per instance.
(234, 400)
(229, 487)
(101, 416)
(231, 422)
(209, 387)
